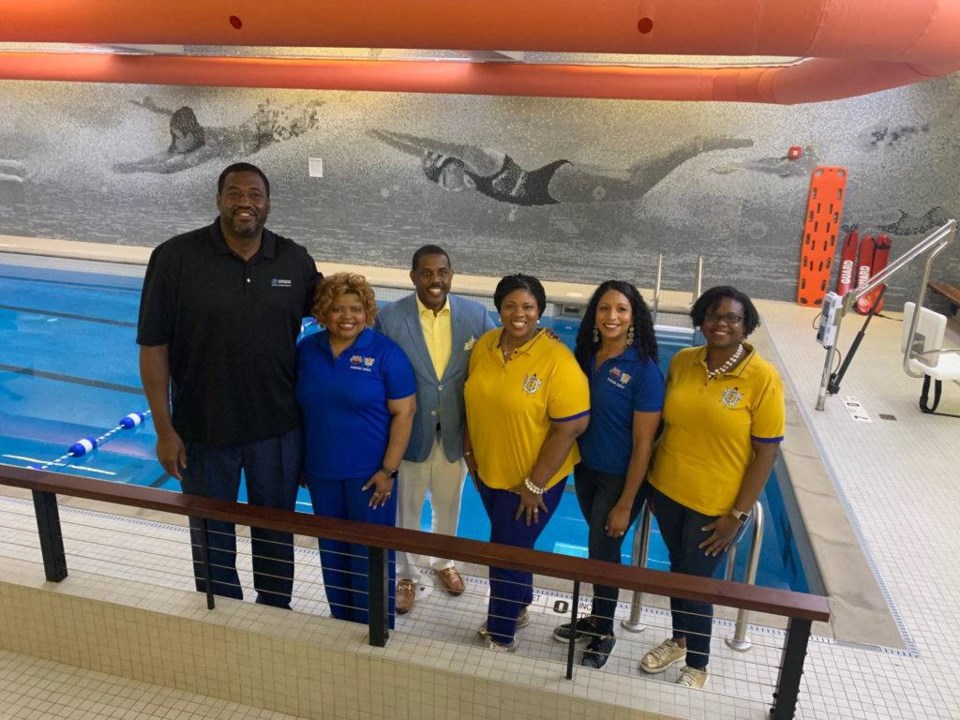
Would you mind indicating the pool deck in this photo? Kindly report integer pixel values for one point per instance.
(875, 497)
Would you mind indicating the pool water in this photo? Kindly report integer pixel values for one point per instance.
(68, 370)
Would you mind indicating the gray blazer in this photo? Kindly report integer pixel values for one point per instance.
(439, 400)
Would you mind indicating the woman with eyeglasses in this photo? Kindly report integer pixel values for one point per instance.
(723, 424)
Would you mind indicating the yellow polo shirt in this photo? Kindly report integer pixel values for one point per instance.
(511, 405)
(709, 427)
(438, 334)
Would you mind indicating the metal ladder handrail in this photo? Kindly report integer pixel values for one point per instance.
(658, 285)
(737, 640)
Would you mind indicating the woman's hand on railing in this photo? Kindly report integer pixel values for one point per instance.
(725, 529)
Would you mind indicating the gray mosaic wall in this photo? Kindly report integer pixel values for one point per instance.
(99, 163)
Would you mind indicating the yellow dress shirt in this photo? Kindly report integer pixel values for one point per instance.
(437, 334)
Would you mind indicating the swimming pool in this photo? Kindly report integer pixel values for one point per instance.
(68, 370)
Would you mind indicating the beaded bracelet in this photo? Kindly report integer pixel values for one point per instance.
(535, 489)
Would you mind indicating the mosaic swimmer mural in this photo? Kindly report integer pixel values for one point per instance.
(191, 144)
(572, 189)
(493, 173)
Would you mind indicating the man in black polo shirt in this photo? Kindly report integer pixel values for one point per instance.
(219, 317)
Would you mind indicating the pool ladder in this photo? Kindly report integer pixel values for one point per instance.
(658, 285)
(738, 640)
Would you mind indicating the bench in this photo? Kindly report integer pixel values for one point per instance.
(950, 292)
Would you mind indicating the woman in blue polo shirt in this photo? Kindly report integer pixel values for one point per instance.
(357, 391)
(617, 350)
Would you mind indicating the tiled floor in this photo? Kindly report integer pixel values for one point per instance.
(898, 477)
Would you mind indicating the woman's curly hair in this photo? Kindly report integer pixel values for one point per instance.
(335, 285)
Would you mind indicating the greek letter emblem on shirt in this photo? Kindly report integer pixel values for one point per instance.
(531, 383)
(468, 345)
(731, 397)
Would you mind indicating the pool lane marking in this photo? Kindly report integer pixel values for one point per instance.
(68, 316)
(71, 379)
(62, 465)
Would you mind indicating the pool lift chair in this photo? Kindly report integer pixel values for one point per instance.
(924, 355)
(928, 359)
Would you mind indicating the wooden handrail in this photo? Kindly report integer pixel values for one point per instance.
(749, 597)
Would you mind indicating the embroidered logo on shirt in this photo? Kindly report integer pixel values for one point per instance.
(531, 383)
(368, 361)
(281, 282)
(619, 378)
(731, 397)
(355, 359)
(468, 345)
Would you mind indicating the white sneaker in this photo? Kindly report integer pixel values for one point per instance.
(662, 656)
(510, 647)
(692, 677)
(522, 622)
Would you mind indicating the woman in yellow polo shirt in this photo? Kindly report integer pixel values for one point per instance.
(723, 423)
(526, 401)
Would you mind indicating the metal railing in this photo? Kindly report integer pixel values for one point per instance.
(801, 609)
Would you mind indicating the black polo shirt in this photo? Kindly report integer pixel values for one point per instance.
(231, 326)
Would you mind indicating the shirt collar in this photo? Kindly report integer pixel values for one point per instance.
(525, 348)
(268, 242)
(364, 339)
(423, 309)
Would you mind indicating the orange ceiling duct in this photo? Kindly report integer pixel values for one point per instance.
(810, 81)
(855, 46)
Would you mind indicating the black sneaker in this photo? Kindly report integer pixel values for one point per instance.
(597, 652)
(585, 630)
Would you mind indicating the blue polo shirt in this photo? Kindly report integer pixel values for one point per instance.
(344, 401)
(621, 386)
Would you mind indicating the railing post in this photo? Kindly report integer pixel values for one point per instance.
(572, 645)
(791, 669)
(51, 535)
(379, 603)
(205, 557)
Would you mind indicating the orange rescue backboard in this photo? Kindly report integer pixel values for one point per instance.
(828, 186)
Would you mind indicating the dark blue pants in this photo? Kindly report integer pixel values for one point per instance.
(272, 470)
(597, 493)
(346, 565)
(680, 528)
(511, 590)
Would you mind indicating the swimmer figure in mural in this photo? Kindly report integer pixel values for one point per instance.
(191, 144)
(493, 173)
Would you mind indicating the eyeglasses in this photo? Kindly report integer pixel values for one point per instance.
(729, 318)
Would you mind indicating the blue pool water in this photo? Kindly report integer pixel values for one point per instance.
(68, 370)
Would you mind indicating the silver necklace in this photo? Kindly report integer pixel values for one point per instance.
(734, 359)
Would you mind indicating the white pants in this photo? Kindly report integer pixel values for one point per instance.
(444, 480)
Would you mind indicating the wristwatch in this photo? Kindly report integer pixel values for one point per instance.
(741, 517)
(387, 471)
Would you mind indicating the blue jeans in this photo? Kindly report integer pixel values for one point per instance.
(272, 470)
(346, 565)
(597, 493)
(680, 528)
(512, 590)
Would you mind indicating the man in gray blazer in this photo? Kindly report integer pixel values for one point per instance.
(437, 331)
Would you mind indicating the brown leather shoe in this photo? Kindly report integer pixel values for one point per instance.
(406, 594)
(451, 581)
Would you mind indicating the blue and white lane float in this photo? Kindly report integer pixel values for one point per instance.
(87, 445)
